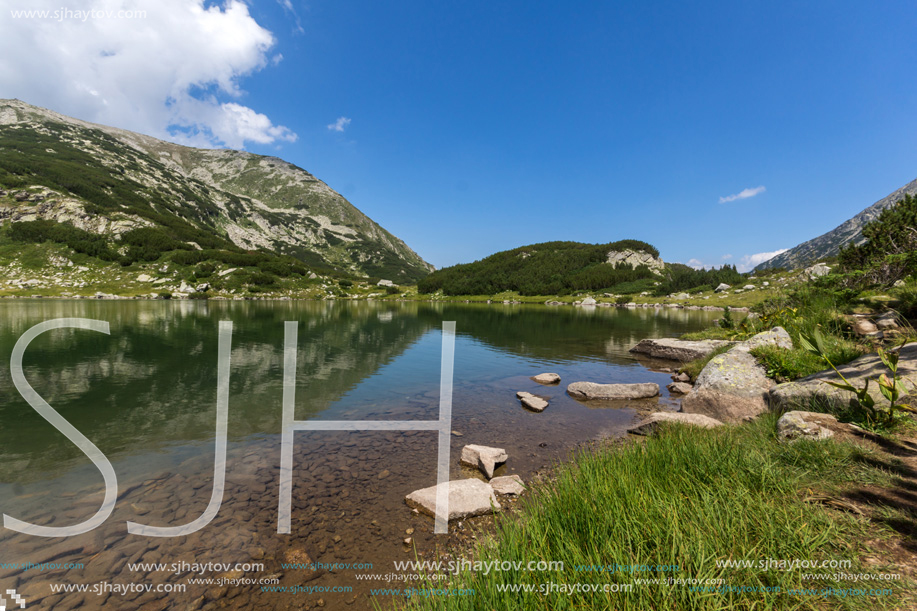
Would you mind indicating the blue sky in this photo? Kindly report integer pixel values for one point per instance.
(472, 127)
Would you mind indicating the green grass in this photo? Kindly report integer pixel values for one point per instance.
(689, 498)
(787, 365)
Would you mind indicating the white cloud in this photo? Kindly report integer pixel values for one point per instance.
(749, 262)
(743, 194)
(695, 263)
(173, 73)
(288, 7)
(726, 257)
(339, 125)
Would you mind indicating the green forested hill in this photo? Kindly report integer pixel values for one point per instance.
(560, 268)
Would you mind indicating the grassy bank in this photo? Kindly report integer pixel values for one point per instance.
(687, 499)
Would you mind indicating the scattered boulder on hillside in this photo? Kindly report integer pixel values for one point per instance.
(817, 271)
(733, 387)
(651, 424)
(467, 498)
(722, 287)
(484, 458)
(806, 425)
(532, 402)
(547, 378)
(801, 393)
(887, 321)
(679, 349)
(588, 301)
(865, 327)
(591, 390)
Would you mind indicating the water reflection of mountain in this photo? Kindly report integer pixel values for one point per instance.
(153, 380)
(566, 334)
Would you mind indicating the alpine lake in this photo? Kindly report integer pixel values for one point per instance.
(146, 396)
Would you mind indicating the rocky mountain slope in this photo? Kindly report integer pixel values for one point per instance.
(110, 181)
(829, 244)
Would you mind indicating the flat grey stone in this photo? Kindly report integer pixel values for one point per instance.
(591, 390)
(651, 424)
(547, 378)
(800, 393)
(532, 402)
(484, 458)
(467, 498)
(679, 349)
(508, 484)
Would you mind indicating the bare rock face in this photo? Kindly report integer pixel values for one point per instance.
(679, 349)
(591, 390)
(532, 402)
(651, 424)
(483, 458)
(547, 378)
(806, 425)
(865, 327)
(508, 484)
(635, 258)
(467, 498)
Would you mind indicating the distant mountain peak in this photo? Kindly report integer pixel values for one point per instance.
(830, 243)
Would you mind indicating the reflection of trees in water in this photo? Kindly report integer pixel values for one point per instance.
(565, 333)
(153, 380)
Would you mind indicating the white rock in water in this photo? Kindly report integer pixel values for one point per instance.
(591, 390)
(467, 498)
(531, 401)
(484, 458)
(547, 378)
(508, 484)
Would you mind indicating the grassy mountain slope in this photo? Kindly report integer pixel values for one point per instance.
(109, 182)
(848, 233)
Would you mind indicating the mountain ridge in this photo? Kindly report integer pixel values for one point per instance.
(252, 201)
(830, 243)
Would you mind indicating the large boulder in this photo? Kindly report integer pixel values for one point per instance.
(467, 498)
(651, 424)
(680, 388)
(801, 393)
(483, 458)
(591, 390)
(722, 287)
(679, 349)
(733, 386)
